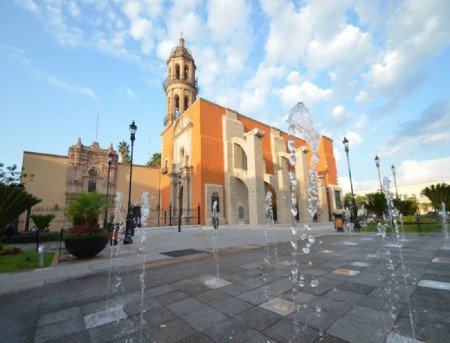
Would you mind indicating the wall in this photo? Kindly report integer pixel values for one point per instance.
(49, 179)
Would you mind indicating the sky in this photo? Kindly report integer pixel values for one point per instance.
(376, 72)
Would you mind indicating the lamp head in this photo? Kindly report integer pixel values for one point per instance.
(393, 169)
(110, 158)
(377, 161)
(133, 129)
(345, 142)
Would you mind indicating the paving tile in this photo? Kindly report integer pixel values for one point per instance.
(77, 337)
(283, 331)
(197, 337)
(58, 330)
(310, 316)
(355, 287)
(372, 317)
(155, 291)
(303, 297)
(349, 330)
(348, 297)
(428, 314)
(190, 287)
(115, 330)
(158, 316)
(258, 318)
(202, 319)
(231, 330)
(396, 338)
(425, 331)
(255, 297)
(331, 306)
(233, 289)
(170, 298)
(170, 332)
(232, 306)
(213, 297)
(59, 316)
(278, 305)
(186, 306)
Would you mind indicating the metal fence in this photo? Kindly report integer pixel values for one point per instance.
(61, 221)
(157, 217)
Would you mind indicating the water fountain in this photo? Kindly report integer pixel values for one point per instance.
(300, 122)
(444, 220)
(393, 214)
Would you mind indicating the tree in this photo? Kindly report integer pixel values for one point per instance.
(42, 221)
(406, 207)
(14, 201)
(155, 160)
(438, 194)
(376, 203)
(359, 200)
(9, 175)
(124, 151)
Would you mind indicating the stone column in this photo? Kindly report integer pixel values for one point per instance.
(255, 172)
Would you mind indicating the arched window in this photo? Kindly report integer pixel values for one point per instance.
(177, 103)
(92, 186)
(186, 72)
(92, 172)
(186, 103)
(177, 72)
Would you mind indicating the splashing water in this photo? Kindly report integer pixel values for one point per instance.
(444, 219)
(300, 122)
(393, 214)
(214, 238)
(145, 210)
(114, 251)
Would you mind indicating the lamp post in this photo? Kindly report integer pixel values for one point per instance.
(180, 181)
(110, 159)
(395, 181)
(129, 228)
(354, 210)
(377, 163)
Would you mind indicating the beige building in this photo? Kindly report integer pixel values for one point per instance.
(56, 179)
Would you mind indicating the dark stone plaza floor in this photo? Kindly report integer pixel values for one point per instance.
(369, 290)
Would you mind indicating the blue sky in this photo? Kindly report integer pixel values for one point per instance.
(375, 71)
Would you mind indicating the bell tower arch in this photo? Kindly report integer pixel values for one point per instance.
(181, 84)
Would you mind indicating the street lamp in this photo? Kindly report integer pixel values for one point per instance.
(180, 181)
(354, 210)
(395, 181)
(129, 226)
(377, 163)
(110, 160)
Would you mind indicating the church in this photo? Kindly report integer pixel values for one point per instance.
(209, 153)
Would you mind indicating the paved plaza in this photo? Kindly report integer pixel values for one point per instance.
(357, 288)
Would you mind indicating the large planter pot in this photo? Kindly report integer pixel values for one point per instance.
(86, 247)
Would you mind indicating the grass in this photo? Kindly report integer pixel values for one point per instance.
(22, 261)
(425, 228)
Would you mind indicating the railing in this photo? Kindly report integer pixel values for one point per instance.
(188, 81)
(61, 221)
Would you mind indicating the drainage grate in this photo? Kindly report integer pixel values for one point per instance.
(104, 317)
(185, 252)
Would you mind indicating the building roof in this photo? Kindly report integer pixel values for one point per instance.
(181, 51)
(43, 154)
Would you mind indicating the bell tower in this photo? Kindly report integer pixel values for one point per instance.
(181, 84)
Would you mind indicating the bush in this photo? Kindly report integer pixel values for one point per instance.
(30, 237)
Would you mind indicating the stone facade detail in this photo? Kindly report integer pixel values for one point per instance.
(87, 169)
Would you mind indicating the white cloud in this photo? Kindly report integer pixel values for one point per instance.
(74, 10)
(226, 18)
(306, 91)
(353, 137)
(414, 171)
(29, 5)
(130, 93)
(339, 112)
(415, 33)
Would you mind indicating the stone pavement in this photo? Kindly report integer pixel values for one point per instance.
(155, 242)
(357, 288)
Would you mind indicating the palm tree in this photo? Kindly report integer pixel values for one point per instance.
(376, 202)
(124, 151)
(438, 194)
(14, 201)
(155, 160)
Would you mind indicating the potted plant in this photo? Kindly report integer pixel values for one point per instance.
(86, 238)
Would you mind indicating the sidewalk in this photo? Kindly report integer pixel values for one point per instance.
(156, 241)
